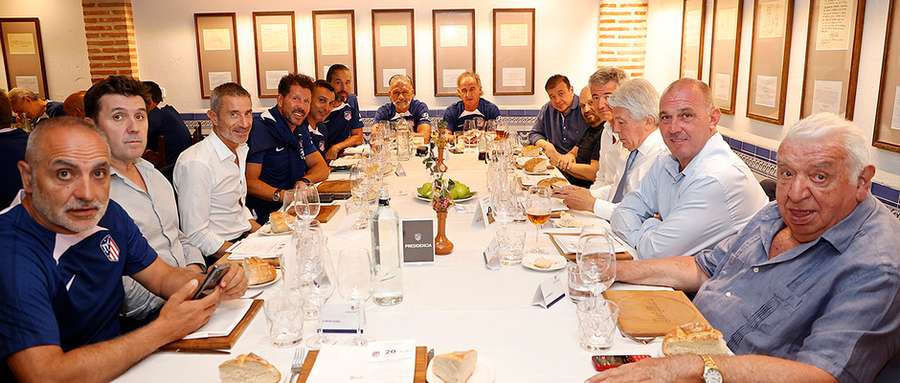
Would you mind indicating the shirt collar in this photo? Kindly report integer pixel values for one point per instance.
(652, 141)
(475, 112)
(141, 164)
(713, 145)
(221, 149)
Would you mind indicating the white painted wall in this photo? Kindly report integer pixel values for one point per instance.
(566, 44)
(65, 48)
(663, 44)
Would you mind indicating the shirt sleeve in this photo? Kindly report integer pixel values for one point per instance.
(859, 329)
(27, 311)
(139, 302)
(192, 255)
(450, 117)
(603, 208)
(306, 142)
(492, 112)
(193, 183)
(382, 114)
(355, 119)
(258, 142)
(538, 131)
(421, 114)
(709, 260)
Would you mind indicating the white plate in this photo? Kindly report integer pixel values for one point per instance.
(266, 231)
(269, 283)
(484, 373)
(559, 262)
(541, 173)
(456, 200)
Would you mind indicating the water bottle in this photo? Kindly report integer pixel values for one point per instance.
(385, 229)
(404, 151)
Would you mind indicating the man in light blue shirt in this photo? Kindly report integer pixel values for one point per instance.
(809, 290)
(699, 195)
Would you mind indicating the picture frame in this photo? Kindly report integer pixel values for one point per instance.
(23, 54)
(454, 47)
(217, 51)
(393, 46)
(329, 48)
(769, 60)
(725, 53)
(832, 57)
(693, 18)
(274, 39)
(887, 116)
(514, 47)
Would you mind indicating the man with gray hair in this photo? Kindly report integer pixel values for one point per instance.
(699, 195)
(403, 105)
(809, 290)
(635, 108)
(31, 108)
(209, 176)
(612, 156)
(471, 106)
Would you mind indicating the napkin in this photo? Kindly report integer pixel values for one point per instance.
(224, 319)
(262, 247)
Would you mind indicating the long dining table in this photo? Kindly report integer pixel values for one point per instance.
(454, 304)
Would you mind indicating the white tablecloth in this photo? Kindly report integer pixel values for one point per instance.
(454, 304)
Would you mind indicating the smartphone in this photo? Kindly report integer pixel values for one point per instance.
(213, 277)
(605, 362)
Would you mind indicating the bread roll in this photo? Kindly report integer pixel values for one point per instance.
(536, 165)
(694, 338)
(248, 368)
(543, 263)
(455, 367)
(530, 151)
(259, 271)
(280, 222)
(552, 181)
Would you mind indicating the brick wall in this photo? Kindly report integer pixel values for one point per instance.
(109, 29)
(622, 35)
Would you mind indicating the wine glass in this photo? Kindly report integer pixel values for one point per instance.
(537, 207)
(306, 203)
(355, 284)
(596, 258)
(318, 290)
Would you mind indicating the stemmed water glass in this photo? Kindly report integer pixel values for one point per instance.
(317, 285)
(306, 203)
(355, 285)
(596, 258)
(537, 207)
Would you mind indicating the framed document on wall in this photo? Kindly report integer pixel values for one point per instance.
(217, 52)
(693, 17)
(454, 47)
(276, 50)
(726, 44)
(887, 118)
(334, 36)
(513, 51)
(394, 46)
(832, 57)
(23, 54)
(769, 60)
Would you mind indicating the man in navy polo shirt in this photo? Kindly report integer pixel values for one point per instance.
(319, 109)
(29, 106)
(404, 105)
(164, 121)
(343, 127)
(281, 151)
(63, 252)
(559, 124)
(471, 105)
(12, 150)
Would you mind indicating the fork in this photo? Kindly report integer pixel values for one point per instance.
(297, 363)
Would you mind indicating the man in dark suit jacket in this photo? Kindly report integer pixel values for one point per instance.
(165, 121)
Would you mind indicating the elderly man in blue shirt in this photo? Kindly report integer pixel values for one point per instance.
(404, 105)
(559, 125)
(808, 290)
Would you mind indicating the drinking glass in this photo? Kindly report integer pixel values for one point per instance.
(578, 291)
(597, 261)
(511, 245)
(597, 320)
(317, 291)
(355, 284)
(470, 133)
(537, 207)
(306, 203)
(284, 314)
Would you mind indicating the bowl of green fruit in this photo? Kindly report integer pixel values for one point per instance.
(459, 191)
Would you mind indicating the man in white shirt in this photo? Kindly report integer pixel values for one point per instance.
(699, 195)
(117, 106)
(635, 109)
(209, 176)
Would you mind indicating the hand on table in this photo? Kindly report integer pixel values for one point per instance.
(662, 370)
(234, 283)
(565, 161)
(254, 226)
(332, 153)
(181, 316)
(576, 198)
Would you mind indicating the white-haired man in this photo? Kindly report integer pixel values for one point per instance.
(701, 194)
(809, 290)
(404, 105)
(30, 107)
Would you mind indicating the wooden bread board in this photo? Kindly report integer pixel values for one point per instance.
(326, 212)
(419, 377)
(652, 313)
(217, 342)
(334, 186)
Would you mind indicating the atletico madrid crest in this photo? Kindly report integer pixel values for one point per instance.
(109, 248)
(348, 115)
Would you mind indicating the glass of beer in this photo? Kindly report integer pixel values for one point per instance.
(537, 208)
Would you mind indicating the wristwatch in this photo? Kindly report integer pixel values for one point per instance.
(306, 180)
(711, 372)
(277, 196)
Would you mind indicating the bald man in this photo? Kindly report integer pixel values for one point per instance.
(65, 249)
(580, 164)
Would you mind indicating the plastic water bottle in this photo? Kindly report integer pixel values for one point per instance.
(385, 229)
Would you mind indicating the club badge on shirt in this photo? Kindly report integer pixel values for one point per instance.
(109, 248)
(348, 115)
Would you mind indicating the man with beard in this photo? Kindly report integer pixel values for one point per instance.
(403, 105)
(63, 252)
(319, 109)
(470, 105)
(343, 127)
(580, 164)
(118, 106)
(282, 152)
(209, 176)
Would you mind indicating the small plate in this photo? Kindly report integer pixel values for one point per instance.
(266, 231)
(559, 262)
(269, 283)
(542, 173)
(426, 199)
(484, 373)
